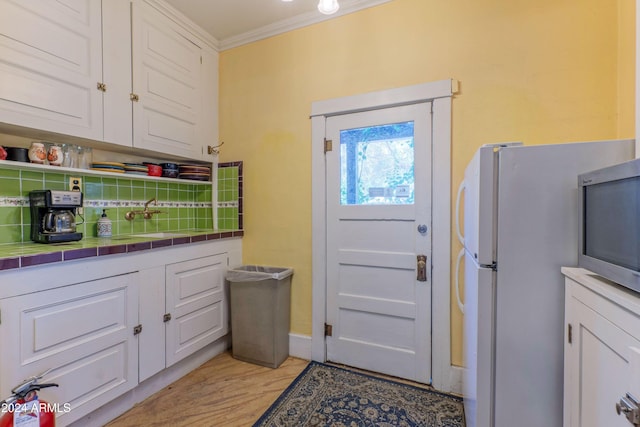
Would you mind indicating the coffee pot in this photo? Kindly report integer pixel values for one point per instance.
(59, 221)
(53, 215)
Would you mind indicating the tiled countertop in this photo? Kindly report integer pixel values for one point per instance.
(20, 255)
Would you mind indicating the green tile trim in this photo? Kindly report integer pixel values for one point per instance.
(230, 203)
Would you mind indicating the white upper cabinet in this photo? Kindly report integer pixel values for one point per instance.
(116, 51)
(129, 72)
(167, 76)
(208, 129)
(51, 55)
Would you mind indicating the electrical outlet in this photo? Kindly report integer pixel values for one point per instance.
(75, 184)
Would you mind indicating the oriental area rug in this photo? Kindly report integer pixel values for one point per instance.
(325, 395)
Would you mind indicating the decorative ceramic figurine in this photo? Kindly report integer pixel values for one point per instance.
(37, 153)
(55, 155)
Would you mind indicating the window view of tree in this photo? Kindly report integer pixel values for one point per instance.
(376, 165)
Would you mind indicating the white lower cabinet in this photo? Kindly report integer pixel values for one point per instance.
(83, 334)
(196, 314)
(107, 328)
(184, 308)
(602, 351)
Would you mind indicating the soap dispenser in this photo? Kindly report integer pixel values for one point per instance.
(104, 225)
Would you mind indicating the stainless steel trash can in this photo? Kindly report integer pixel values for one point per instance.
(260, 313)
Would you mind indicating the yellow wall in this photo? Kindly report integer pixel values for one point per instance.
(544, 71)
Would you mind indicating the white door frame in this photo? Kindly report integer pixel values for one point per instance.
(444, 376)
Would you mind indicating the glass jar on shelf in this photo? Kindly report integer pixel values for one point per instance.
(85, 157)
(69, 156)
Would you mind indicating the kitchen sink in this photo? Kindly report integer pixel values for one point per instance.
(162, 235)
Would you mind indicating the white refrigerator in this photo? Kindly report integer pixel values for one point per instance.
(520, 227)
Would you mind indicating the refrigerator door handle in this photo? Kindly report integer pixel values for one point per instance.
(457, 281)
(460, 190)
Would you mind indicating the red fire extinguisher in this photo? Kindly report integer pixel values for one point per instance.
(24, 408)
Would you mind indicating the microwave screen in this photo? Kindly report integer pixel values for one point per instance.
(612, 222)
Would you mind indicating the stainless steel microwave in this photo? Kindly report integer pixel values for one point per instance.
(609, 201)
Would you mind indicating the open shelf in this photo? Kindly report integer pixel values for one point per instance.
(9, 164)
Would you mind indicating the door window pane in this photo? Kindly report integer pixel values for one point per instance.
(376, 165)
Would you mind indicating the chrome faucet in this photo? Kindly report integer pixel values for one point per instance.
(146, 213)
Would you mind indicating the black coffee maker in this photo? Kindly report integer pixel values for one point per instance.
(53, 215)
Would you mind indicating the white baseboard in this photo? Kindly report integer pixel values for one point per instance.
(300, 346)
(455, 380)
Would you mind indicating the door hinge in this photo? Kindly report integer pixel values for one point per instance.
(328, 145)
(328, 330)
(134, 97)
(102, 87)
(166, 317)
(137, 330)
(569, 333)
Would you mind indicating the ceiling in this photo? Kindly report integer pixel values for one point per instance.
(236, 22)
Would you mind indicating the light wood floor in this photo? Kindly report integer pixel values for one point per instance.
(222, 392)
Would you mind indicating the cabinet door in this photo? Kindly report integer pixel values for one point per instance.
(151, 344)
(597, 361)
(197, 304)
(209, 124)
(83, 333)
(116, 53)
(166, 77)
(52, 61)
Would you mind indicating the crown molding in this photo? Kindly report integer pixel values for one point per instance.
(185, 22)
(306, 19)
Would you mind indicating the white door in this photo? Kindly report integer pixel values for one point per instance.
(378, 180)
(478, 344)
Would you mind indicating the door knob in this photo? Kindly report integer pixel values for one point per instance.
(628, 406)
(422, 268)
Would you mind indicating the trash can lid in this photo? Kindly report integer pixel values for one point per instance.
(255, 273)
